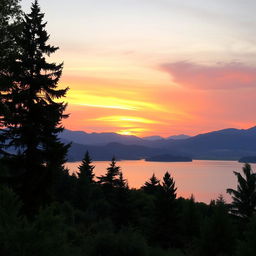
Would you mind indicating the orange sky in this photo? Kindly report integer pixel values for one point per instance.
(176, 98)
(151, 67)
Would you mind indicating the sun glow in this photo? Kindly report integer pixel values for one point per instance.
(81, 98)
(125, 133)
(132, 131)
(124, 119)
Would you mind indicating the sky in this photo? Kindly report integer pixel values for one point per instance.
(155, 67)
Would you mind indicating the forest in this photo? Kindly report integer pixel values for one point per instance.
(46, 211)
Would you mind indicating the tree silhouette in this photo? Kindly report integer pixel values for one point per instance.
(111, 178)
(244, 198)
(217, 232)
(165, 230)
(121, 182)
(152, 185)
(10, 23)
(86, 169)
(35, 118)
(169, 186)
(84, 184)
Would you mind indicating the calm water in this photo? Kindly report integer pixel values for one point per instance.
(204, 179)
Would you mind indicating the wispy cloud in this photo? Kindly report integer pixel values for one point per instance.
(126, 119)
(222, 76)
(99, 101)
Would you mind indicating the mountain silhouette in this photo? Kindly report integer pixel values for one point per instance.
(226, 144)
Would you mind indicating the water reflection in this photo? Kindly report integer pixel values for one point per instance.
(202, 178)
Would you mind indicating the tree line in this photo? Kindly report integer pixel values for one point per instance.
(46, 211)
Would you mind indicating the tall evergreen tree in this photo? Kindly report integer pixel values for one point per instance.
(10, 24)
(10, 20)
(122, 183)
(111, 177)
(85, 183)
(86, 168)
(244, 198)
(217, 232)
(166, 214)
(35, 118)
(152, 186)
(169, 186)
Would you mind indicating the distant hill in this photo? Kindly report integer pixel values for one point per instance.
(227, 144)
(106, 152)
(179, 137)
(153, 138)
(248, 159)
(81, 137)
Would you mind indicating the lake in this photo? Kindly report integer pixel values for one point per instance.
(204, 179)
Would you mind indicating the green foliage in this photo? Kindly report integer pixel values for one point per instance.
(9, 10)
(190, 221)
(65, 187)
(10, 19)
(116, 244)
(217, 234)
(45, 235)
(244, 198)
(247, 246)
(10, 25)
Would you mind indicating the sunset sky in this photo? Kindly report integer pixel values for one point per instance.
(155, 67)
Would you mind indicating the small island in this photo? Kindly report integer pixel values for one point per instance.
(168, 158)
(247, 159)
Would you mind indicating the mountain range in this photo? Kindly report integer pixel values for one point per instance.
(227, 144)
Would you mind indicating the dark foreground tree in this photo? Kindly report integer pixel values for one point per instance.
(247, 246)
(169, 187)
(111, 179)
(152, 186)
(10, 20)
(10, 24)
(217, 236)
(84, 183)
(165, 231)
(35, 118)
(122, 182)
(244, 198)
(86, 168)
(45, 234)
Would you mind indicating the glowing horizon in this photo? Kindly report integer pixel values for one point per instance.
(151, 67)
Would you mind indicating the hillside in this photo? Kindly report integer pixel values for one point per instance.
(227, 144)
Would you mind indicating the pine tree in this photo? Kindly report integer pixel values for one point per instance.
(121, 182)
(85, 173)
(10, 25)
(85, 182)
(169, 186)
(217, 233)
(165, 229)
(244, 198)
(110, 179)
(152, 186)
(35, 118)
(10, 21)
